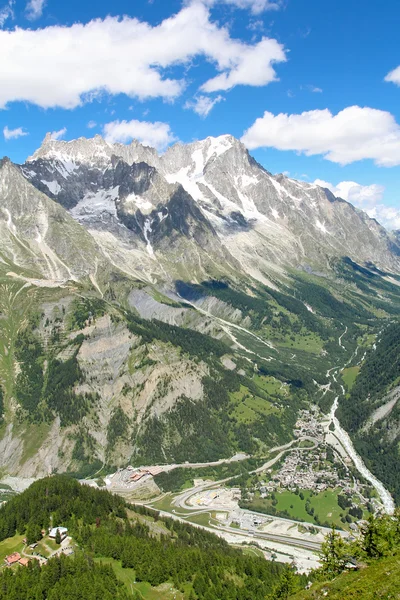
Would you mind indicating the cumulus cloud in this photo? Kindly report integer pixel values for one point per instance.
(91, 125)
(256, 6)
(357, 194)
(157, 135)
(203, 105)
(394, 76)
(6, 12)
(13, 134)
(368, 198)
(353, 134)
(250, 65)
(34, 9)
(67, 66)
(57, 135)
(388, 216)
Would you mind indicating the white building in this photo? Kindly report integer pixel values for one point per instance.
(63, 532)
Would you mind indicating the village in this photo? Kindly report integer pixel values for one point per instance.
(312, 468)
(54, 542)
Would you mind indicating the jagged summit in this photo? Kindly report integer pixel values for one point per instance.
(84, 150)
(265, 221)
(94, 150)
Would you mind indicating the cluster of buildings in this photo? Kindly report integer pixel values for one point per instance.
(16, 559)
(306, 468)
(309, 424)
(127, 478)
(302, 470)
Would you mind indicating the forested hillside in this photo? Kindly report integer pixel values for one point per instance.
(196, 562)
(122, 546)
(371, 412)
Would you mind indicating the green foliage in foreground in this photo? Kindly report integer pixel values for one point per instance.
(196, 562)
(380, 580)
(380, 538)
(377, 553)
(62, 578)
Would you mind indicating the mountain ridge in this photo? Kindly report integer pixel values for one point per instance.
(287, 221)
(143, 304)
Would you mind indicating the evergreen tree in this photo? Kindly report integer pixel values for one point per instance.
(286, 586)
(58, 537)
(334, 554)
(33, 533)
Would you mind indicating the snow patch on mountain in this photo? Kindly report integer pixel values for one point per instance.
(146, 230)
(53, 186)
(96, 205)
(182, 177)
(144, 205)
(321, 226)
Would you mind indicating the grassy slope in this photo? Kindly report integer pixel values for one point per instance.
(379, 580)
(349, 376)
(127, 576)
(324, 504)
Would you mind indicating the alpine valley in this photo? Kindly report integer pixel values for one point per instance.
(189, 307)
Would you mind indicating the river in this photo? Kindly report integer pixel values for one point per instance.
(346, 442)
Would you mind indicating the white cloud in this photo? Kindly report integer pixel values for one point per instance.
(91, 125)
(359, 195)
(56, 135)
(157, 135)
(6, 12)
(13, 134)
(34, 9)
(67, 66)
(368, 198)
(353, 134)
(248, 65)
(203, 105)
(256, 6)
(388, 216)
(394, 76)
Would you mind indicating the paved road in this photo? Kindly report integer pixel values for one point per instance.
(222, 531)
(286, 540)
(182, 498)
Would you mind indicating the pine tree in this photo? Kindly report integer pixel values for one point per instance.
(286, 586)
(33, 533)
(58, 537)
(334, 554)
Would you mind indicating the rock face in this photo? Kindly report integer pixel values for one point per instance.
(39, 236)
(212, 193)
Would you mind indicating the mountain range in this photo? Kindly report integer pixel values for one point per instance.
(146, 299)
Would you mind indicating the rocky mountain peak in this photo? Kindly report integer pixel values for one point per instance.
(261, 218)
(94, 151)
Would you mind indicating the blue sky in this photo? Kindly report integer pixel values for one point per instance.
(311, 87)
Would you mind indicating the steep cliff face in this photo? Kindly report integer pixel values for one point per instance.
(245, 216)
(38, 235)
